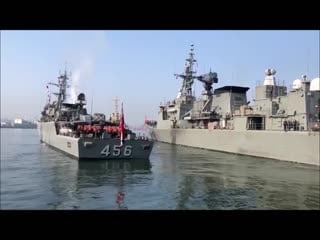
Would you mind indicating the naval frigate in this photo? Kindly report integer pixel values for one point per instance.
(69, 128)
(278, 125)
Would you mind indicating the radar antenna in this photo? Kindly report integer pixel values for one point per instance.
(208, 80)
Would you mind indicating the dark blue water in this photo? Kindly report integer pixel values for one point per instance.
(34, 176)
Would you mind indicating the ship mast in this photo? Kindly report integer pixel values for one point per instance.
(62, 84)
(188, 76)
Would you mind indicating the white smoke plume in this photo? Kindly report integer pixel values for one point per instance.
(83, 71)
(81, 74)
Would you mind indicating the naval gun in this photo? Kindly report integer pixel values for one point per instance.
(208, 80)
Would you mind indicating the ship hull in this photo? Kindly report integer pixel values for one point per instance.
(90, 148)
(300, 147)
(111, 149)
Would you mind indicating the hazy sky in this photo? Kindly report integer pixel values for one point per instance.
(138, 66)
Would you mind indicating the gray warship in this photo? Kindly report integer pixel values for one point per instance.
(69, 128)
(277, 125)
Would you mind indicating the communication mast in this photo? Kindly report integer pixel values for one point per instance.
(116, 109)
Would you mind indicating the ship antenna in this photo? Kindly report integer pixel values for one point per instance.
(65, 67)
(308, 62)
(91, 103)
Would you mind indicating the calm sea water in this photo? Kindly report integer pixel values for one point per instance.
(34, 176)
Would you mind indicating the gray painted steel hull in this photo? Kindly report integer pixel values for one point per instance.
(90, 148)
(110, 149)
(300, 147)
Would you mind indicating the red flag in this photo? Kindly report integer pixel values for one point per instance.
(122, 126)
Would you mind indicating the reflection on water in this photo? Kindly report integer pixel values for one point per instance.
(95, 184)
(215, 180)
(34, 176)
(117, 173)
(98, 167)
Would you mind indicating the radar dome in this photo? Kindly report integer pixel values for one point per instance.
(273, 72)
(297, 84)
(315, 84)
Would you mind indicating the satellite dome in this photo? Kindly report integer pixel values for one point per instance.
(297, 84)
(315, 84)
(270, 71)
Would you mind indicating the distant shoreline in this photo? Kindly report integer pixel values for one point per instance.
(20, 127)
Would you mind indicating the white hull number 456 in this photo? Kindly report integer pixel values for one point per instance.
(117, 151)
